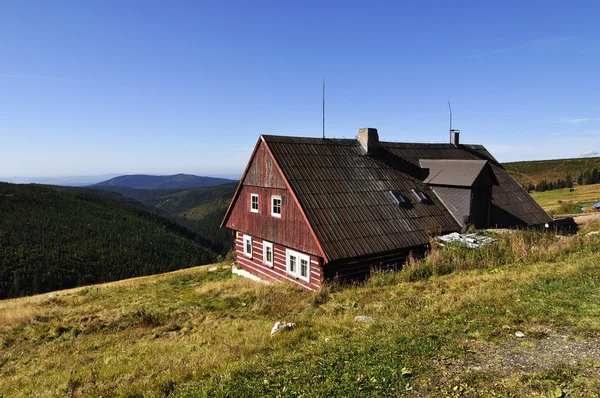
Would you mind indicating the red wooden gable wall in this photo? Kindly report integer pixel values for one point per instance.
(263, 178)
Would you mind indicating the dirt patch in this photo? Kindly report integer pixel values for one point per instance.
(536, 352)
(528, 354)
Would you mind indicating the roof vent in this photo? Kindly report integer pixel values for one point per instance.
(454, 135)
(369, 140)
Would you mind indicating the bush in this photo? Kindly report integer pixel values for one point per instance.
(523, 246)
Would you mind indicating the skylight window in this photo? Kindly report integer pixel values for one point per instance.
(399, 198)
(420, 195)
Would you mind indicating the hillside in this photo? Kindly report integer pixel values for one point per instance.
(53, 239)
(180, 201)
(203, 333)
(199, 209)
(177, 181)
(551, 170)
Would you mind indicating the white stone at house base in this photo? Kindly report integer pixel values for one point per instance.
(246, 274)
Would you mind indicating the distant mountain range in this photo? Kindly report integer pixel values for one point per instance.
(71, 181)
(177, 181)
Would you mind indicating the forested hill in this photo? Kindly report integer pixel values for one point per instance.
(534, 171)
(177, 181)
(199, 209)
(55, 239)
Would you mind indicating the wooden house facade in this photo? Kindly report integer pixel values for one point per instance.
(310, 209)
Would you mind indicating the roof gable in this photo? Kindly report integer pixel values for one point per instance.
(263, 171)
(458, 173)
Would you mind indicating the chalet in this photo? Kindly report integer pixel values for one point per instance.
(311, 209)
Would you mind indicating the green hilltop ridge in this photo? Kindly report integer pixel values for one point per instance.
(60, 238)
(534, 171)
(177, 181)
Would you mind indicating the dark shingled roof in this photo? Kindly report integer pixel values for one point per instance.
(345, 194)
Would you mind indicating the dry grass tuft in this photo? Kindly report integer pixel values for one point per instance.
(260, 298)
(528, 246)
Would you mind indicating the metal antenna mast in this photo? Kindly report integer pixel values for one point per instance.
(323, 108)
(450, 108)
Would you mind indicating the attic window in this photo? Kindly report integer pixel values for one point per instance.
(420, 195)
(254, 203)
(399, 198)
(276, 206)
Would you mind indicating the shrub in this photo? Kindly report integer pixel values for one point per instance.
(322, 296)
(523, 246)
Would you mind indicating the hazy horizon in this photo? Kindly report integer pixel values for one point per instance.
(83, 180)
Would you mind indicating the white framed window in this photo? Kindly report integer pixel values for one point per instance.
(276, 206)
(268, 254)
(254, 202)
(248, 246)
(298, 265)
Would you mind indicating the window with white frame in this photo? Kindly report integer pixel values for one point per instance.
(268, 254)
(298, 265)
(276, 206)
(254, 202)
(305, 267)
(248, 246)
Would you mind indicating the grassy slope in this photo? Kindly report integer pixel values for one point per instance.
(201, 333)
(551, 170)
(552, 201)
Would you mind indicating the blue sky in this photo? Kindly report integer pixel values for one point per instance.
(97, 87)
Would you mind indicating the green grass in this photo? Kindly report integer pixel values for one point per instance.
(561, 201)
(201, 333)
(550, 170)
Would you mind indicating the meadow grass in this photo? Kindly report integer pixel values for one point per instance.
(563, 201)
(439, 323)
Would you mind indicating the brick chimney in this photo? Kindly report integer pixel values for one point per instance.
(369, 140)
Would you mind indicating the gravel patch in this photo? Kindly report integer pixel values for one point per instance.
(531, 354)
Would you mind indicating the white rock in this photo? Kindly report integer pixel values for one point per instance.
(281, 326)
(364, 318)
(212, 269)
(519, 334)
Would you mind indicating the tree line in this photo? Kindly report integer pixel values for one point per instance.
(588, 177)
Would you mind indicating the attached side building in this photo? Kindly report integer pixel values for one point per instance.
(311, 209)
